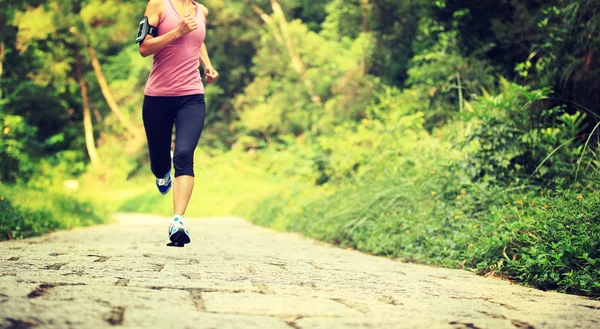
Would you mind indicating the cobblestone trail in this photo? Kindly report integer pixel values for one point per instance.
(236, 275)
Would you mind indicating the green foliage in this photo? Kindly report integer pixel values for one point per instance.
(446, 76)
(14, 158)
(392, 25)
(277, 102)
(392, 189)
(567, 45)
(548, 241)
(553, 241)
(513, 138)
(231, 180)
(16, 223)
(501, 32)
(354, 150)
(25, 212)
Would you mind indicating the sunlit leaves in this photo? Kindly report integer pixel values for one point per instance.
(33, 24)
(263, 117)
(332, 66)
(54, 67)
(112, 22)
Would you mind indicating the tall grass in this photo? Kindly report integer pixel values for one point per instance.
(26, 212)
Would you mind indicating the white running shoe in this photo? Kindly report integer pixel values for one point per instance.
(178, 235)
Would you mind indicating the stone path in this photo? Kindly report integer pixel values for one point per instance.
(235, 275)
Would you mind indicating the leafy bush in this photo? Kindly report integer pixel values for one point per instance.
(512, 138)
(281, 101)
(446, 77)
(552, 241)
(31, 213)
(17, 223)
(474, 197)
(14, 143)
(390, 139)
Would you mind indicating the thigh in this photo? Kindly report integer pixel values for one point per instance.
(189, 122)
(158, 114)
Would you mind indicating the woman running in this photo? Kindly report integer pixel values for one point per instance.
(174, 95)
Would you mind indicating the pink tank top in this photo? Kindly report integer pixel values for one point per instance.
(175, 68)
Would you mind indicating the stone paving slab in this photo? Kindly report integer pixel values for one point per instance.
(284, 306)
(236, 275)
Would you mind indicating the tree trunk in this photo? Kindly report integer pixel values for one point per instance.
(1, 56)
(87, 118)
(296, 59)
(460, 93)
(112, 104)
(267, 136)
(267, 19)
(2, 19)
(1, 61)
(364, 4)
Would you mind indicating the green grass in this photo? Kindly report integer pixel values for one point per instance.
(549, 242)
(215, 194)
(25, 212)
(228, 184)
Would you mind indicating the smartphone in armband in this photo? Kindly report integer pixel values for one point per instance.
(144, 29)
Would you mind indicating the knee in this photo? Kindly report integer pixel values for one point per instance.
(183, 162)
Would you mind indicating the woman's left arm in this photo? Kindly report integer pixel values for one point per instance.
(211, 74)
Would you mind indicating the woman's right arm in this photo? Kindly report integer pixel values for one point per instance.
(152, 45)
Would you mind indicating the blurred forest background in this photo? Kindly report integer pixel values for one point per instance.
(452, 132)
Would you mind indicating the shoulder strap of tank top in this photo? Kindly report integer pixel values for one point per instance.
(166, 8)
(200, 12)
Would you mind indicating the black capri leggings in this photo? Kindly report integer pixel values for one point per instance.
(159, 114)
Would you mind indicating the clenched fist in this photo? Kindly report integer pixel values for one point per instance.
(211, 74)
(187, 24)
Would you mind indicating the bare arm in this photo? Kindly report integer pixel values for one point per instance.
(152, 45)
(211, 74)
(204, 59)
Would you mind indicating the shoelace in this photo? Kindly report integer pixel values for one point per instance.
(175, 226)
(163, 181)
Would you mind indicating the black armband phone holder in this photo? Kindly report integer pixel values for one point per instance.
(144, 29)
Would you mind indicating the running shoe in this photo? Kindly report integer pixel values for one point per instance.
(164, 184)
(178, 235)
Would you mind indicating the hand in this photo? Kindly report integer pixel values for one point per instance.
(211, 74)
(187, 24)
